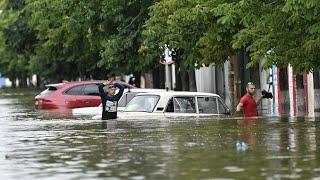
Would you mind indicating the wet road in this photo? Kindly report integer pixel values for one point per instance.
(34, 145)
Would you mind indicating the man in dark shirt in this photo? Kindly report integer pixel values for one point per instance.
(247, 103)
(110, 100)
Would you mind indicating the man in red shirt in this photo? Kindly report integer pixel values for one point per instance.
(247, 103)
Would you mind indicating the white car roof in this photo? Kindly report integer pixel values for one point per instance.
(145, 90)
(180, 93)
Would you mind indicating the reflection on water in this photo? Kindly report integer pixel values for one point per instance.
(41, 145)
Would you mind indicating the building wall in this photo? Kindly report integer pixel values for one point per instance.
(217, 80)
(205, 79)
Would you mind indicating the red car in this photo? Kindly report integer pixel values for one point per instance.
(69, 95)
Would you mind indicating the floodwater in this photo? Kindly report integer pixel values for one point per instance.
(35, 145)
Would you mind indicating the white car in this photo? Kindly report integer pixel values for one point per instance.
(123, 101)
(173, 104)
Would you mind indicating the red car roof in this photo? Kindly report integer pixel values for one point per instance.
(87, 82)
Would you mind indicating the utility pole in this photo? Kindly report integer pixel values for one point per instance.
(169, 67)
(168, 77)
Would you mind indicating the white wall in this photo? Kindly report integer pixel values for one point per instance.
(205, 79)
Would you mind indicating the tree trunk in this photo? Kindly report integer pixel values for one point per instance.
(30, 82)
(178, 82)
(38, 84)
(137, 76)
(232, 82)
(148, 79)
(192, 81)
(162, 77)
(184, 81)
(13, 81)
(23, 82)
(156, 77)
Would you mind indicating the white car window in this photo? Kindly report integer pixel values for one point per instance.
(142, 104)
(184, 105)
(126, 98)
(207, 105)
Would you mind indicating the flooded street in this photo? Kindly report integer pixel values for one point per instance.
(42, 146)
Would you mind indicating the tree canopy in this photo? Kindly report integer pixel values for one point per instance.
(206, 31)
(95, 38)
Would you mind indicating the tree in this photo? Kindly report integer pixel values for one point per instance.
(69, 37)
(200, 31)
(120, 51)
(85, 38)
(17, 41)
(283, 32)
(206, 31)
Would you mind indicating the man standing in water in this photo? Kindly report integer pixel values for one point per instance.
(247, 103)
(110, 100)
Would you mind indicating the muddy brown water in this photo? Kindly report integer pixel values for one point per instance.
(36, 145)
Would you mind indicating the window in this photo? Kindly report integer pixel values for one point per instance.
(142, 104)
(182, 105)
(126, 98)
(222, 107)
(170, 106)
(207, 105)
(91, 90)
(77, 90)
(123, 101)
(49, 90)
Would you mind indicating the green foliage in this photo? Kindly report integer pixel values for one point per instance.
(16, 40)
(120, 49)
(86, 38)
(282, 32)
(73, 38)
(95, 38)
(200, 31)
(69, 34)
(206, 31)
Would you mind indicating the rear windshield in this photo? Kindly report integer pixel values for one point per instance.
(49, 90)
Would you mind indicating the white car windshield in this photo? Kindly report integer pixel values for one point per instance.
(142, 104)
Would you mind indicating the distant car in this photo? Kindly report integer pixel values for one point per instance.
(124, 100)
(69, 95)
(173, 104)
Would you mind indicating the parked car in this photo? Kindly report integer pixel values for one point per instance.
(71, 95)
(174, 103)
(124, 100)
